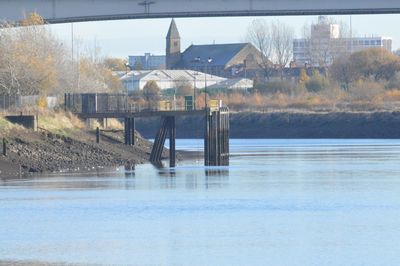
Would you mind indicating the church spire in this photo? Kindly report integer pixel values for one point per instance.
(173, 47)
(173, 32)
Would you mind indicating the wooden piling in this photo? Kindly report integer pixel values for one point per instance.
(97, 135)
(172, 137)
(127, 131)
(167, 127)
(4, 147)
(132, 131)
(206, 139)
(159, 141)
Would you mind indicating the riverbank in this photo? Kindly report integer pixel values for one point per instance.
(291, 125)
(63, 144)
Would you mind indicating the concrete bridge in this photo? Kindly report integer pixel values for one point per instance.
(61, 11)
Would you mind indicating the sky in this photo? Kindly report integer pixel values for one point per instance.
(122, 38)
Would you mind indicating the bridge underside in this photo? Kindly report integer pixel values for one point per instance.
(61, 11)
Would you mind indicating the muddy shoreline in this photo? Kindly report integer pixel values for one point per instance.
(31, 152)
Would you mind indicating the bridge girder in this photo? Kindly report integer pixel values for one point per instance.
(62, 11)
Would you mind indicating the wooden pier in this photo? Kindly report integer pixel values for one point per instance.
(216, 127)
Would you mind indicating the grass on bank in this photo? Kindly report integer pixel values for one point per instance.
(6, 126)
(59, 122)
(66, 123)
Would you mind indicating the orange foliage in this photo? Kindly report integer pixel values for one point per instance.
(393, 95)
(33, 19)
(200, 102)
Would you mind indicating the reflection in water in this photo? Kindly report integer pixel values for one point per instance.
(320, 201)
(130, 170)
(216, 177)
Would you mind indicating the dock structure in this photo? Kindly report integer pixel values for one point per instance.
(167, 127)
(216, 127)
(216, 139)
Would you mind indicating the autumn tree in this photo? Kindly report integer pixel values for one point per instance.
(375, 64)
(30, 58)
(115, 64)
(151, 92)
(303, 77)
(183, 87)
(34, 62)
(317, 82)
(343, 71)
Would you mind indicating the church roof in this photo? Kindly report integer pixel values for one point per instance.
(173, 32)
(220, 54)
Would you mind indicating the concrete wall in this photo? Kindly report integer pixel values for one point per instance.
(59, 11)
(28, 121)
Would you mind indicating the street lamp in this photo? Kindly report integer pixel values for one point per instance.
(209, 61)
(127, 68)
(206, 62)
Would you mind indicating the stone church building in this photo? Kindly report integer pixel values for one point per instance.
(225, 60)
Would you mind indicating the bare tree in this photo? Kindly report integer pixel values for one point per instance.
(275, 42)
(282, 44)
(326, 41)
(258, 33)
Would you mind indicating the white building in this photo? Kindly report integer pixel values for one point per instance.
(234, 84)
(168, 79)
(325, 44)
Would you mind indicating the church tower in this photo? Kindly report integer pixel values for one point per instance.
(173, 50)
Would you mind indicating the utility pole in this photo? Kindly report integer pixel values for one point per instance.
(146, 4)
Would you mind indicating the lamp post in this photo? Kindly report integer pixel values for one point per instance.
(127, 68)
(206, 62)
(209, 61)
(194, 92)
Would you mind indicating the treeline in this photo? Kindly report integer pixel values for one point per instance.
(33, 61)
(364, 80)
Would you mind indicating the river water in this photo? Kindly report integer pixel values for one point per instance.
(281, 202)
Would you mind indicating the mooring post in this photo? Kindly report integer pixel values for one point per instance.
(4, 147)
(65, 102)
(172, 137)
(127, 131)
(206, 139)
(132, 133)
(97, 135)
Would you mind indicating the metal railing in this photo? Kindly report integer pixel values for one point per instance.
(91, 103)
(10, 101)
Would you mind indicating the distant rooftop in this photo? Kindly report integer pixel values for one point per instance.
(221, 54)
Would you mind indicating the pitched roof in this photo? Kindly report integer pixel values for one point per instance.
(235, 83)
(221, 54)
(173, 32)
